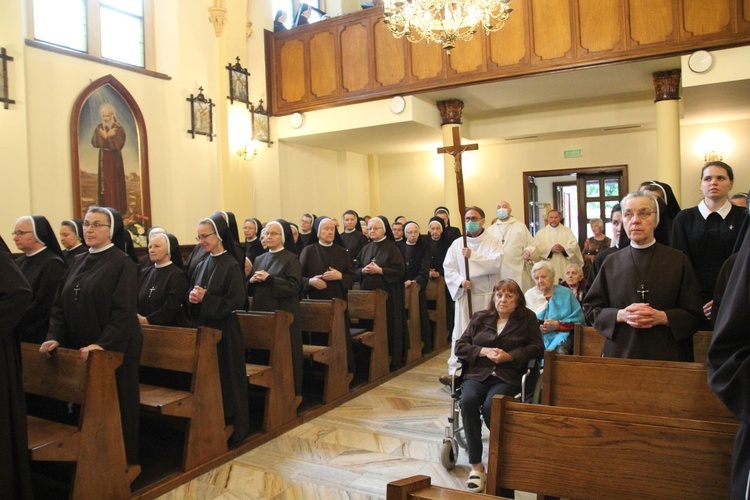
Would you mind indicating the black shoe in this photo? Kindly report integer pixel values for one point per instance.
(445, 379)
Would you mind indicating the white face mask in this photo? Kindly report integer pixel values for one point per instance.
(502, 213)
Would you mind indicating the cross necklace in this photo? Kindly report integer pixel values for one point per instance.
(642, 291)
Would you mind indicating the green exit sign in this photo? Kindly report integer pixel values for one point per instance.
(572, 153)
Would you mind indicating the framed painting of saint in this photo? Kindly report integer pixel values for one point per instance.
(110, 153)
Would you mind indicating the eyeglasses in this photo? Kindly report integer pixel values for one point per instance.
(202, 237)
(473, 219)
(95, 225)
(642, 214)
(20, 233)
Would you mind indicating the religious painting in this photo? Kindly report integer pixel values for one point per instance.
(261, 130)
(201, 115)
(110, 155)
(238, 78)
(4, 95)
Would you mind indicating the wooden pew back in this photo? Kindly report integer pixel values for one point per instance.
(269, 331)
(371, 304)
(188, 350)
(587, 341)
(659, 388)
(701, 341)
(436, 293)
(327, 316)
(419, 488)
(413, 322)
(578, 453)
(101, 470)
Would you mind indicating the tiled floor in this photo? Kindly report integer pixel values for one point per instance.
(393, 431)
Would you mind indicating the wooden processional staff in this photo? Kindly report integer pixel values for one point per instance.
(456, 150)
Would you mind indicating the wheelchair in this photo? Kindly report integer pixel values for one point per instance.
(531, 390)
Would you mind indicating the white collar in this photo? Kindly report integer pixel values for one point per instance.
(74, 247)
(99, 250)
(723, 211)
(218, 254)
(305, 233)
(411, 244)
(325, 244)
(250, 241)
(378, 241)
(277, 250)
(400, 239)
(349, 231)
(36, 252)
(641, 247)
(159, 266)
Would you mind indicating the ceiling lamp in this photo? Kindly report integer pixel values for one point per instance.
(444, 21)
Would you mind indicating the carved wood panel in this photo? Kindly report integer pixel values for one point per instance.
(704, 18)
(469, 56)
(600, 25)
(355, 58)
(744, 16)
(552, 32)
(426, 60)
(507, 47)
(292, 70)
(652, 21)
(323, 64)
(390, 55)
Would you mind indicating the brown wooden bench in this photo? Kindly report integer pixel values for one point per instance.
(269, 331)
(370, 304)
(436, 293)
(701, 341)
(419, 488)
(187, 350)
(96, 443)
(413, 322)
(646, 387)
(587, 341)
(327, 316)
(579, 453)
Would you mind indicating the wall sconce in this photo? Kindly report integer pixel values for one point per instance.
(248, 152)
(713, 155)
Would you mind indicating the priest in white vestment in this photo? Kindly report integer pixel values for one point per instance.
(517, 245)
(557, 244)
(485, 254)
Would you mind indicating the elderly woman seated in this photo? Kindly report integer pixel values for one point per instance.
(576, 281)
(497, 345)
(556, 308)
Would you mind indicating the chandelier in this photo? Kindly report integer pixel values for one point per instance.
(444, 21)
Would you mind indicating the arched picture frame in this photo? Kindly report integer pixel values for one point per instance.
(109, 151)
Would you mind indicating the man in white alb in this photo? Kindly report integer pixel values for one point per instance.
(557, 244)
(517, 245)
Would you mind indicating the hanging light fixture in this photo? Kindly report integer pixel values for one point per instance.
(444, 21)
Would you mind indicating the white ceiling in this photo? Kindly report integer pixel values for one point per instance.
(616, 83)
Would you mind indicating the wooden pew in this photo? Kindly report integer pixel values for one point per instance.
(327, 316)
(187, 350)
(587, 341)
(436, 293)
(96, 443)
(413, 322)
(701, 341)
(366, 304)
(269, 331)
(579, 453)
(646, 387)
(419, 488)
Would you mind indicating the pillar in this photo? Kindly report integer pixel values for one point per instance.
(668, 165)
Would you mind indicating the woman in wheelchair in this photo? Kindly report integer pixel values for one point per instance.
(496, 348)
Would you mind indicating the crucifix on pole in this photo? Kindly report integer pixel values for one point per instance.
(456, 150)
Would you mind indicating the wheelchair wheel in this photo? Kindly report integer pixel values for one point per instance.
(460, 440)
(448, 456)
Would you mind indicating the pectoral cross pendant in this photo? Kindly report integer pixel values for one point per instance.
(151, 290)
(76, 289)
(643, 292)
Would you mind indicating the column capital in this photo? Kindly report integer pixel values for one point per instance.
(667, 85)
(450, 111)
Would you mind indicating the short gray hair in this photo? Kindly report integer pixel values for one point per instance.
(543, 264)
(643, 194)
(597, 222)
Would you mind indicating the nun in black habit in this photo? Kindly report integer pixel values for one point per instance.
(43, 266)
(95, 308)
(217, 290)
(15, 296)
(71, 237)
(450, 233)
(327, 271)
(276, 284)
(436, 248)
(253, 246)
(417, 272)
(353, 238)
(381, 267)
(163, 285)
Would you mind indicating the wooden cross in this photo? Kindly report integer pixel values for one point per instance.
(151, 290)
(456, 151)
